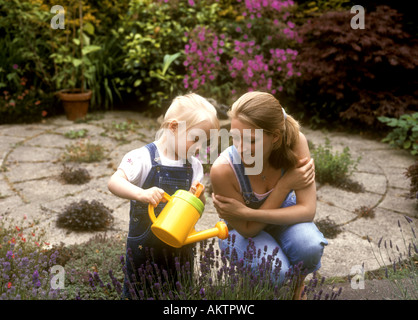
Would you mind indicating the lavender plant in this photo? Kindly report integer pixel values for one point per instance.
(25, 266)
(399, 261)
(219, 275)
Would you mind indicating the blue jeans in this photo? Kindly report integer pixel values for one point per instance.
(298, 243)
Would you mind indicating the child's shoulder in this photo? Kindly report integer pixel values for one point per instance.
(139, 153)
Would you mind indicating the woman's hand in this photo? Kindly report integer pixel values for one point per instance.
(299, 177)
(228, 208)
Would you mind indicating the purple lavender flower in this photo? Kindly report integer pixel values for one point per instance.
(408, 219)
(35, 279)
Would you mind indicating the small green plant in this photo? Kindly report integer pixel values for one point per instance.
(333, 168)
(75, 134)
(75, 176)
(84, 151)
(85, 216)
(405, 132)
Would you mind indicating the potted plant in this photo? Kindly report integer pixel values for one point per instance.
(73, 66)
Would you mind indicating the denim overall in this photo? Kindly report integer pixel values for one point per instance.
(301, 242)
(247, 192)
(140, 238)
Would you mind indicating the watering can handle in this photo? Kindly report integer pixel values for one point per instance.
(151, 213)
(199, 189)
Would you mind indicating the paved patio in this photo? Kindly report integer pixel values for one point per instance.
(30, 185)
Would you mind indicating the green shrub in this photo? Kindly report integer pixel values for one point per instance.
(405, 132)
(333, 168)
(152, 37)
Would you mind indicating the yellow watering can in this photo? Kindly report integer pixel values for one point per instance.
(175, 224)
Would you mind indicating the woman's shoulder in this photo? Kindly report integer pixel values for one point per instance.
(221, 167)
(301, 148)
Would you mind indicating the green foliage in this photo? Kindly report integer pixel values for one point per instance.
(405, 132)
(24, 73)
(153, 36)
(71, 59)
(330, 167)
(75, 134)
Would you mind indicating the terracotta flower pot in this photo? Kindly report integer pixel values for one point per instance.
(75, 103)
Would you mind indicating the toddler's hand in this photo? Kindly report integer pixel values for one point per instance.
(193, 188)
(152, 195)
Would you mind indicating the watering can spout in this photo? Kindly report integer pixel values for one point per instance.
(220, 230)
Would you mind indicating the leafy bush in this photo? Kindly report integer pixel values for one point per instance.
(24, 73)
(152, 36)
(333, 168)
(357, 75)
(85, 216)
(405, 132)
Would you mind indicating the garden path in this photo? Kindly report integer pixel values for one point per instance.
(30, 185)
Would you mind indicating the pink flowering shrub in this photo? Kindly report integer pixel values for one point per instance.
(251, 50)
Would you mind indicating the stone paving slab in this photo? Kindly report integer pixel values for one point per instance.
(30, 158)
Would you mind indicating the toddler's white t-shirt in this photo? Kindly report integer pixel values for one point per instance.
(137, 164)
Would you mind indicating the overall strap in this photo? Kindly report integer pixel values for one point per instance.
(153, 152)
(243, 180)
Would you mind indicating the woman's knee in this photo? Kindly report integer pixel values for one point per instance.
(305, 244)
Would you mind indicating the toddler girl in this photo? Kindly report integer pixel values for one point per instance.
(164, 165)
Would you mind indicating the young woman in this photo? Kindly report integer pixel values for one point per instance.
(275, 207)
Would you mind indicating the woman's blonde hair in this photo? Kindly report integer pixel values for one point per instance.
(191, 108)
(263, 111)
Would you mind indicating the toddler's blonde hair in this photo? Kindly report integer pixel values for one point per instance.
(191, 108)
